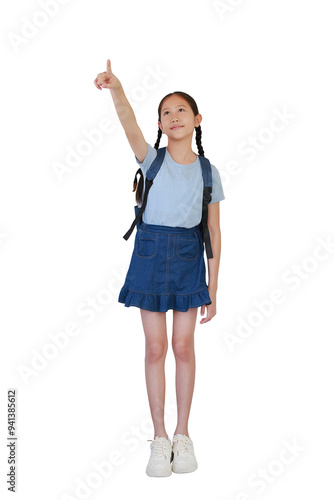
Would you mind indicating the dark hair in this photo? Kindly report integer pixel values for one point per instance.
(193, 105)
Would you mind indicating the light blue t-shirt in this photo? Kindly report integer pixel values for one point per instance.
(176, 195)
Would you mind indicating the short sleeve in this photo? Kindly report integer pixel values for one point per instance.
(150, 156)
(217, 188)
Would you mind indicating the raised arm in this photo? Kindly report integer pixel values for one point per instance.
(124, 111)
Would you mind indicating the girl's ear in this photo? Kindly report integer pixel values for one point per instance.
(198, 120)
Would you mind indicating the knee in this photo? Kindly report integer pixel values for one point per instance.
(155, 352)
(183, 351)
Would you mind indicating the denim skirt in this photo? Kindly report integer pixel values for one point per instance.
(167, 269)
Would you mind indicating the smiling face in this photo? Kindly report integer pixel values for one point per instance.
(177, 117)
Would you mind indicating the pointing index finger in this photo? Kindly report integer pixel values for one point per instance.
(108, 65)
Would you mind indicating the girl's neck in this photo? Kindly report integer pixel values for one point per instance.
(181, 154)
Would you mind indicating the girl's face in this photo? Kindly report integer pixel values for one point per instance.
(177, 117)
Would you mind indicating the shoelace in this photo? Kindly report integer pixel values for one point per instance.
(180, 444)
(159, 447)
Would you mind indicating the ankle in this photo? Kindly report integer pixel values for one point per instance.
(160, 434)
(186, 433)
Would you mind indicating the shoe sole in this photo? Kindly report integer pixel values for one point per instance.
(179, 470)
(151, 473)
(161, 473)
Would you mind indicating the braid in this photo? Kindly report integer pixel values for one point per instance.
(156, 145)
(139, 191)
(140, 186)
(199, 140)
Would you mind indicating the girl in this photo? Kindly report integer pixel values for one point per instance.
(167, 268)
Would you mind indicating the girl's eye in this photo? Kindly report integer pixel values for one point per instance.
(168, 111)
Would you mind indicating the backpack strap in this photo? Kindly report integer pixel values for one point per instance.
(207, 180)
(150, 175)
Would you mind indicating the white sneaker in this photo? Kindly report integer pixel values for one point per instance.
(159, 464)
(184, 459)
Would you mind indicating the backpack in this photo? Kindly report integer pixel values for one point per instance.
(150, 175)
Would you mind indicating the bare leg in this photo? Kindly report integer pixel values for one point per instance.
(155, 329)
(184, 352)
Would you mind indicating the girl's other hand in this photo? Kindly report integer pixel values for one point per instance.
(211, 308)
(107, 79)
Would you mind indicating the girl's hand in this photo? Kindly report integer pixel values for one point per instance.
(211, 308)
(107, 79)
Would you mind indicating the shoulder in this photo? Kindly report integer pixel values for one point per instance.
(150, 156)
(217, 187)
(214, 169)
(215, 173)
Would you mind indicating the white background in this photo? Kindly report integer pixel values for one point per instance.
(61, 246)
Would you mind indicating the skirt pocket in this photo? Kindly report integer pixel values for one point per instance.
(188, 247)
(146, 246)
